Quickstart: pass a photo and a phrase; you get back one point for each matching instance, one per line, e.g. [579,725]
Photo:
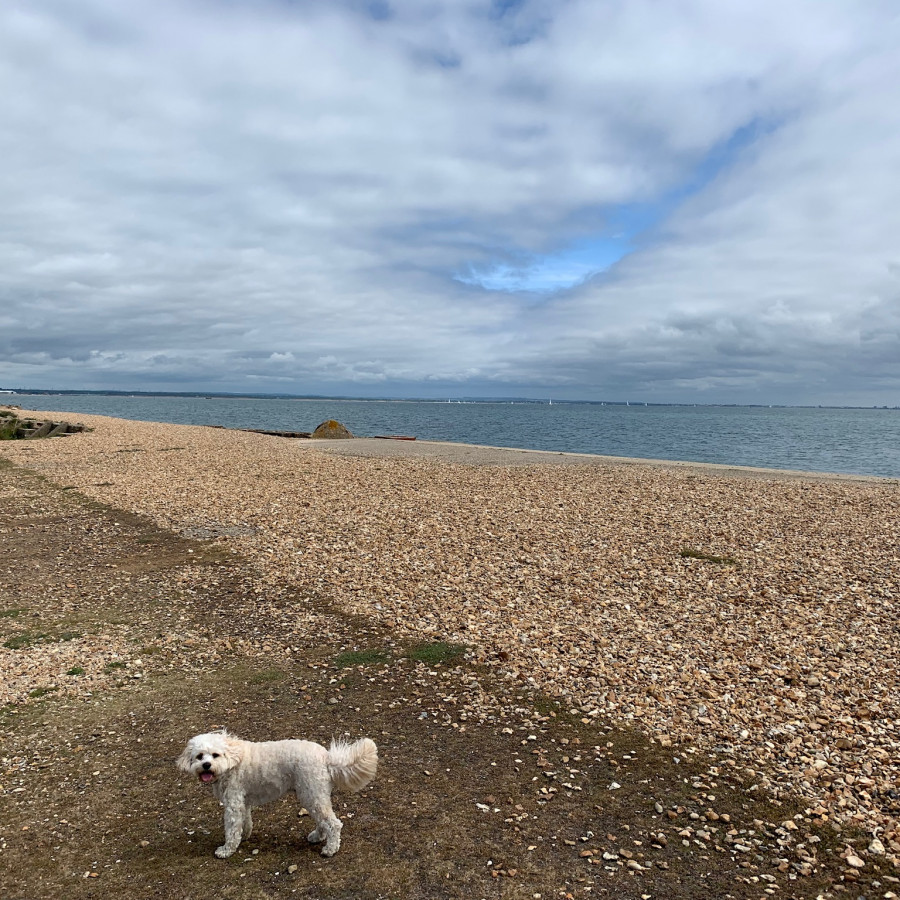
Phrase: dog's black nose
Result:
[207,765]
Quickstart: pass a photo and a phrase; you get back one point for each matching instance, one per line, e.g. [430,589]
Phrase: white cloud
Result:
[213,195]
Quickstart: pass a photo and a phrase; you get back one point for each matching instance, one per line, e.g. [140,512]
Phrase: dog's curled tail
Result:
[352,766]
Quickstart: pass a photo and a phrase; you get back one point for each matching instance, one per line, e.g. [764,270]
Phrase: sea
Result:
[846,441]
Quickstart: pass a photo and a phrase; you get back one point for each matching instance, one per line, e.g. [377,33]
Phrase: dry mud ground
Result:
[121,639]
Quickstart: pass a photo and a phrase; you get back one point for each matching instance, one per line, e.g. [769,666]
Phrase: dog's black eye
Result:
[215,756]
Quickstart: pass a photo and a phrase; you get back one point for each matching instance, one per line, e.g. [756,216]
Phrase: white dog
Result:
[244,774]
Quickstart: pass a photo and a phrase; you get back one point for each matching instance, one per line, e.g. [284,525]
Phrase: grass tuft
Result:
[360,658]
[436,653]
[687,553]
[31,638]
[266,676]
[27,639]
[75,670]
[41,692]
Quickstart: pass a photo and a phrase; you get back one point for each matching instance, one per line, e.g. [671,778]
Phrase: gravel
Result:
[749,614]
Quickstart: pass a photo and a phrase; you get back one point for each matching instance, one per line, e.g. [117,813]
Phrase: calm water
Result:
[858,441]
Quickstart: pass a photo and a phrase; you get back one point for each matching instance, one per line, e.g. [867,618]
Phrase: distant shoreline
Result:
[225,395]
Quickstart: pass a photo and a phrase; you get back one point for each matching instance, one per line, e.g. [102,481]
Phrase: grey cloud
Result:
[230,195]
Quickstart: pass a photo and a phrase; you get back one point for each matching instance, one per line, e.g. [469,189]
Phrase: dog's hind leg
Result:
[332,829]
[248,823]
[328,828]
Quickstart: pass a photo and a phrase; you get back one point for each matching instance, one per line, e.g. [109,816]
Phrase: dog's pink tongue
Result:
[206,777]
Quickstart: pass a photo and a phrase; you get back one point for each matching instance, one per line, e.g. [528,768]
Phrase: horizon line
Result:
[110,392]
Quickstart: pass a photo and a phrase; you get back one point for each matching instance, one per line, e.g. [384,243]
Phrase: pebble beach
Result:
[748,613]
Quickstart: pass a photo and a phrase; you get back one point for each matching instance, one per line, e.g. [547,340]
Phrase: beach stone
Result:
[43,430]
[331,429]
[13,427]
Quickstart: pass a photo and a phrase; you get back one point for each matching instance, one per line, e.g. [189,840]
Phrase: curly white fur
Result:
[244,774]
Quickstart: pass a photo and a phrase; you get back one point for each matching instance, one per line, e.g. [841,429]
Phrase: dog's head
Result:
[210,756]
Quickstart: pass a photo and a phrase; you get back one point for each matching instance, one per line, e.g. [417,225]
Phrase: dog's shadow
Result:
[274,835]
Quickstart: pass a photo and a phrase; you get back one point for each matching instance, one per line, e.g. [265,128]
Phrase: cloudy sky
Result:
[661,200]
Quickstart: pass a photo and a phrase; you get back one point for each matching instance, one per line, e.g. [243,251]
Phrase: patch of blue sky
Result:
[500,8]
[518,29]
[543,274]
[380,10]
[627,227]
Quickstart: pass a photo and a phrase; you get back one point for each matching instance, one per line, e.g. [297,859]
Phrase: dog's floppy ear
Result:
[234,749]
[184,761]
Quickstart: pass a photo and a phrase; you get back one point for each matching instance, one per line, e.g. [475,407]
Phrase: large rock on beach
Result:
[331,429]
[12,427]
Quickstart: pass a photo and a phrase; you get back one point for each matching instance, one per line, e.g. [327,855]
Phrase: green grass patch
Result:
[687,553]
[31,638]
[11,613]
[361,658]
[115,664]
[27,639]
[436,653]
[41,692]
[75,670]
[266,676]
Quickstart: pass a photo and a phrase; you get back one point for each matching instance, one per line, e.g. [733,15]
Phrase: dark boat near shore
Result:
[284,434]
[307,434]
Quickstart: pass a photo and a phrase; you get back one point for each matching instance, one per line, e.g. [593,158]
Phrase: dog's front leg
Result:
[234,828]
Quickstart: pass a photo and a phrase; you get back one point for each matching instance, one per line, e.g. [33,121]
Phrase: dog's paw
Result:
[314,837]
[330,849]
[223,852]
